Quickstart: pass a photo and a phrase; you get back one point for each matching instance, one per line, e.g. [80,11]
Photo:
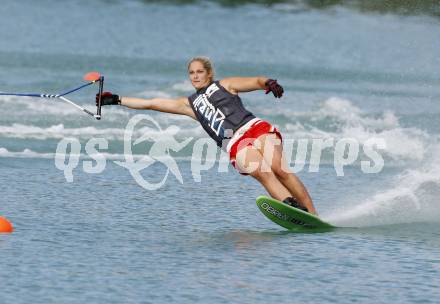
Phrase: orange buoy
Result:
[5,226]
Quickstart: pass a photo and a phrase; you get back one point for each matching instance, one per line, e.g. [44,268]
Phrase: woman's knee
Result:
[262,175]
[281,173]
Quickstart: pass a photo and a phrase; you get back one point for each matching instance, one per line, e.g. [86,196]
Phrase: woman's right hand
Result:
[108,98]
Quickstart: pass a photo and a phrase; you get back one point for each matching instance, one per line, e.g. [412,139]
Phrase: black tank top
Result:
[219,112]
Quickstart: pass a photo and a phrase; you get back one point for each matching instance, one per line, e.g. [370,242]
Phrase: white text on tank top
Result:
[213,115]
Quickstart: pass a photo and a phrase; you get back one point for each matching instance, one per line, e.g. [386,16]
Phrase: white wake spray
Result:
[414,197]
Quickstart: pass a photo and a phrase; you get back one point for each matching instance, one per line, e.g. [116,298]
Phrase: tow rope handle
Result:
[98,106]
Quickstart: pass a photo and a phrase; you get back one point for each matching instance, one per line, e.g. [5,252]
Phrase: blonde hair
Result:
[207,64]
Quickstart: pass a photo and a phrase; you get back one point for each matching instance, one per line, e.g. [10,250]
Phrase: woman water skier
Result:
[254,145]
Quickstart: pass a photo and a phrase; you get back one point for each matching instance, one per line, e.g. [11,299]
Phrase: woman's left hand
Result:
[273,86]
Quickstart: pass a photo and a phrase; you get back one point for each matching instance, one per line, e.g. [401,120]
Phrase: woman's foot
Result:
[291,201]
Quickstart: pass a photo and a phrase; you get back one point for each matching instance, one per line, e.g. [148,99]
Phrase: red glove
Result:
[108,98]
[273,86]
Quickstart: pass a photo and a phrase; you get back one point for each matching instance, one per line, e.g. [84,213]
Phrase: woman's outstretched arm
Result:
[236,85]
[178,105]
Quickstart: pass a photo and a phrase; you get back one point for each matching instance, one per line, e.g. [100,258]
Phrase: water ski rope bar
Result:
[91,77]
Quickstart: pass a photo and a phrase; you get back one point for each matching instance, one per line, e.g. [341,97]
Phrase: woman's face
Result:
[198,75]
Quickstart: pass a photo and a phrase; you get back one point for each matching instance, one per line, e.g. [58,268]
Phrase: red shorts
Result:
[257,129]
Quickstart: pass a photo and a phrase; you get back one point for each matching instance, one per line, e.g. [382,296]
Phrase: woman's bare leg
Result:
[250,160]
[273,155]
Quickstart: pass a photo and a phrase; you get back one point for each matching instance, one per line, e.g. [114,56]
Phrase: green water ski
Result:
[289,217]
